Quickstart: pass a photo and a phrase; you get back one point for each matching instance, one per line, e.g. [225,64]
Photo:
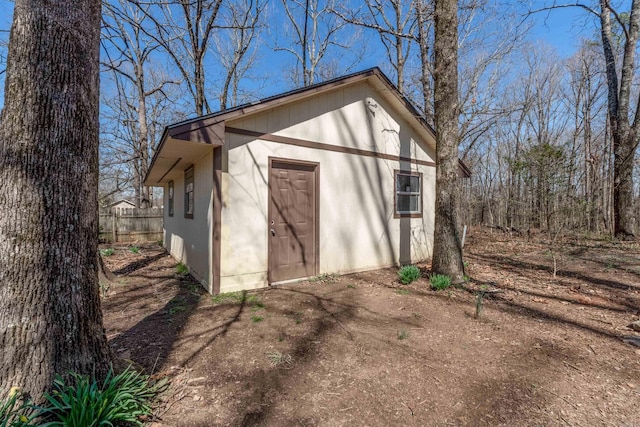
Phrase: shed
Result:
[336,177]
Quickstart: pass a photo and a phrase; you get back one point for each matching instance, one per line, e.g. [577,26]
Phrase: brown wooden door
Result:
[292,220]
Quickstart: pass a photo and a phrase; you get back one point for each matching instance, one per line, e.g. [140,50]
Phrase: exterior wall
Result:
[358,230]
[189,240]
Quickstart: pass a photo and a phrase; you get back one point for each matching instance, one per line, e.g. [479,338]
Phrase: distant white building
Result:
[119,205]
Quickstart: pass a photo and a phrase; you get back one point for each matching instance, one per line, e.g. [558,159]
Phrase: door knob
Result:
[273,232]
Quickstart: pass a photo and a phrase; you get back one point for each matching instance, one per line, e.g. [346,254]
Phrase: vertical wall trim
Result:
[217,219]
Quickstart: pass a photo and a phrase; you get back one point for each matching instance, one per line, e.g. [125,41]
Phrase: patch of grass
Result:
[194,288]
[228,298]
[402,291]
[134,249]
[351,286]
[402,334]
[160,242]
[298,317]
[279,359]
[238,297]
[325,278]
[178,307]
[107,252]
[257,319]
[182,269]
[408,274]
[254,302]
[439,281]
[466,278]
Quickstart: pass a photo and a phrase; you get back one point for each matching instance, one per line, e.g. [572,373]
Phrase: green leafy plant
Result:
[351,286]
[122,398]
[182,269]
[440,281]
[107,252]
[402,334]
[14,410]
[408,274]
[134,249]
[257,319]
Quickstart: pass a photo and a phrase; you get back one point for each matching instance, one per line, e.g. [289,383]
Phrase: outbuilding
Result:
[336,177]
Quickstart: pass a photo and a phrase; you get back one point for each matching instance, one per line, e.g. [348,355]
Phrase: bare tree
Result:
[234,46]
[447,247]
[394,22]
[619,29]
[184,30]
[314,31]
[50,318]
[128,56]
[625,132]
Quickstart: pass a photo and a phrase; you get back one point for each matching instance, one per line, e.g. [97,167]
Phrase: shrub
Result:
[440,281]
[408,274]
[107,252]
[123,398]
[134,249]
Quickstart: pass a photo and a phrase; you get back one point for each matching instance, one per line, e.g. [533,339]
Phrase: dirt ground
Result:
[363,349]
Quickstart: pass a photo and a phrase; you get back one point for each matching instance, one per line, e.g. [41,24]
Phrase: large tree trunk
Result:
[447,248]
[623,133]
[623,212]
[50,318]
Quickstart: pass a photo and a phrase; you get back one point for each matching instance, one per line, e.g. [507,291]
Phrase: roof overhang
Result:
[180,147]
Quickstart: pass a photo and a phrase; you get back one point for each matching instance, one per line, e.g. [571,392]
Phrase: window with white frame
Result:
[408,194]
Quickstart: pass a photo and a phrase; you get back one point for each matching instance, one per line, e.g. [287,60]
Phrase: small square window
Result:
[408,194]
[188,193]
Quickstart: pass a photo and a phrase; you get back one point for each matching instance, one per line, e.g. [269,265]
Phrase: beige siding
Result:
[358,230]
[189,240]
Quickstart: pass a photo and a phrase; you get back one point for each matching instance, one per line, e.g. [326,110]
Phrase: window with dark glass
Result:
[170,189]
[188,193]
[408,197]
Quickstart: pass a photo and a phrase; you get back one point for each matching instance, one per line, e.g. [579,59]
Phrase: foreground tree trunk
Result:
[447,247]
[50,318]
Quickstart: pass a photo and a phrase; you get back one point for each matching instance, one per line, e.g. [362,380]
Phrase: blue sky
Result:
[560,28]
